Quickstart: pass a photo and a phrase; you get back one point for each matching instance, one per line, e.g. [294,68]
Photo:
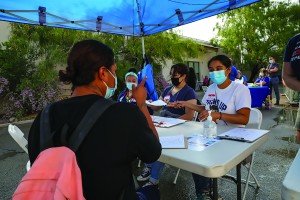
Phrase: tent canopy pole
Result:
[143,47]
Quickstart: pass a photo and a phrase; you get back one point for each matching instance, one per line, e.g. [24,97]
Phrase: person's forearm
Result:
[194,107]
[231,118]
[292,82]
[144,109]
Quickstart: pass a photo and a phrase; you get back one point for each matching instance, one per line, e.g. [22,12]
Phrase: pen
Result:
[235,138]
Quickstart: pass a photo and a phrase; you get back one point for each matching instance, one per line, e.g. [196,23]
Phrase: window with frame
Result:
[196,66]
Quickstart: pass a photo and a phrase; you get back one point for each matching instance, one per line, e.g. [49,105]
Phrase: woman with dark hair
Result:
[230,102]
[101,157]
[179,91]
[192,79]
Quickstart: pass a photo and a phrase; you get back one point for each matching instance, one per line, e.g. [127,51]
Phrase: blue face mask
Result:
[129,85]
[218,77]
[110,91]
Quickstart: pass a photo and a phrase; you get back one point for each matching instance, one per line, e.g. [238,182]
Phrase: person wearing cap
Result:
[126,95]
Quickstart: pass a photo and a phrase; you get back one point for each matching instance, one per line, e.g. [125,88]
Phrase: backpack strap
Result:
[88,121]
[85,125]
[45,131]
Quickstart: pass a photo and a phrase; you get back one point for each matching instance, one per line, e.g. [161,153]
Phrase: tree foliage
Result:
[30,58]
[258,31]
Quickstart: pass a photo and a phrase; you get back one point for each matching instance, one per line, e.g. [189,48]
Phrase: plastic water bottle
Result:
[260,83]
[210,127]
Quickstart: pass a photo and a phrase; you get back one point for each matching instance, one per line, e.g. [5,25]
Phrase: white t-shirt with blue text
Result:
[228,100]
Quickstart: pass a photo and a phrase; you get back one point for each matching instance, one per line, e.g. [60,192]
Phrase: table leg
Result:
[215,189]
[239,182]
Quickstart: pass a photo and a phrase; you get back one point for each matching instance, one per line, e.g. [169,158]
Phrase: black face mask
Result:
[175,81]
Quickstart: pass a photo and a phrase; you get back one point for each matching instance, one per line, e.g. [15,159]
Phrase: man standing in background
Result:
[273,68]
[291,71]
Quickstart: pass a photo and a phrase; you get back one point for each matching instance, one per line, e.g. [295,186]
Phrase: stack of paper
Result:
[243,134]
[166,122]
[172,142]
[156,103]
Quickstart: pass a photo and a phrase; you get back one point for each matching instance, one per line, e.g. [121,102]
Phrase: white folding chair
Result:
[18,136]
[255,120]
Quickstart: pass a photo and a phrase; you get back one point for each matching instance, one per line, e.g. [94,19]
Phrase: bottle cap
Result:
[209,118]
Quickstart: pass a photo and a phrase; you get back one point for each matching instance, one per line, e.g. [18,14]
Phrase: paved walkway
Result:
[271,163]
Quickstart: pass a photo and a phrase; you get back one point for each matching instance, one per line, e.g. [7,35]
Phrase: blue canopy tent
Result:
[125,17]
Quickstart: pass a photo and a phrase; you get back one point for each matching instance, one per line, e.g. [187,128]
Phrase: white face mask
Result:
[129,85]
[261,74]
[270,61]
[110,91]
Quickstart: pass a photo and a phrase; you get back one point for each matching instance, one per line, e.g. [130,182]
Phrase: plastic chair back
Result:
[255,119]
[18,136]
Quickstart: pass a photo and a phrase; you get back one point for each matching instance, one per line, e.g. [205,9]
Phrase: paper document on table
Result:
[172,142]
[166,122]
[198,142]
[156,103]
[243,134]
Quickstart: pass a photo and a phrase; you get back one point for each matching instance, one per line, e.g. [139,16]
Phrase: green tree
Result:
[258,31]
[29,59]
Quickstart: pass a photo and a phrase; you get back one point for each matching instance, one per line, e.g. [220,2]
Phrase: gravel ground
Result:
[272,162]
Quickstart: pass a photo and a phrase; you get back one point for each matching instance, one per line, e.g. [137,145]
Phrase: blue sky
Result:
[203,29]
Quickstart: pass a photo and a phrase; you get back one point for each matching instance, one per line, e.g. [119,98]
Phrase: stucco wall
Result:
[203,60]
[4,31]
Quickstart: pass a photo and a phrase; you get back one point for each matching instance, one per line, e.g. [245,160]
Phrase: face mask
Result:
[218,77]
[110,91]
[129,85]
[175,81]
[270,61]
[261,74]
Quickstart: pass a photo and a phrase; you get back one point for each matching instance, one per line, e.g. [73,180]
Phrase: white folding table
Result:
[214,161]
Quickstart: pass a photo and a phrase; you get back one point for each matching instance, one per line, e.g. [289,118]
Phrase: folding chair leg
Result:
[28,165]
[248,176]
[175,180]
[255,180]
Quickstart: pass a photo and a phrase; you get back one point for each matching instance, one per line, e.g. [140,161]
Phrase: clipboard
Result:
[243,134]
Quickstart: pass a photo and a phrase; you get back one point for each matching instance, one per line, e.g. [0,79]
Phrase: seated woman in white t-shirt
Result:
[230,101]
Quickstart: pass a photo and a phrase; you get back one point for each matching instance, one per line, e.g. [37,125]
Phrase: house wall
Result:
[202,61]
[4,31]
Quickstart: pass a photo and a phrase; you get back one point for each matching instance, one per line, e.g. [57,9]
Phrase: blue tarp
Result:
[125,17]
[150,86]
